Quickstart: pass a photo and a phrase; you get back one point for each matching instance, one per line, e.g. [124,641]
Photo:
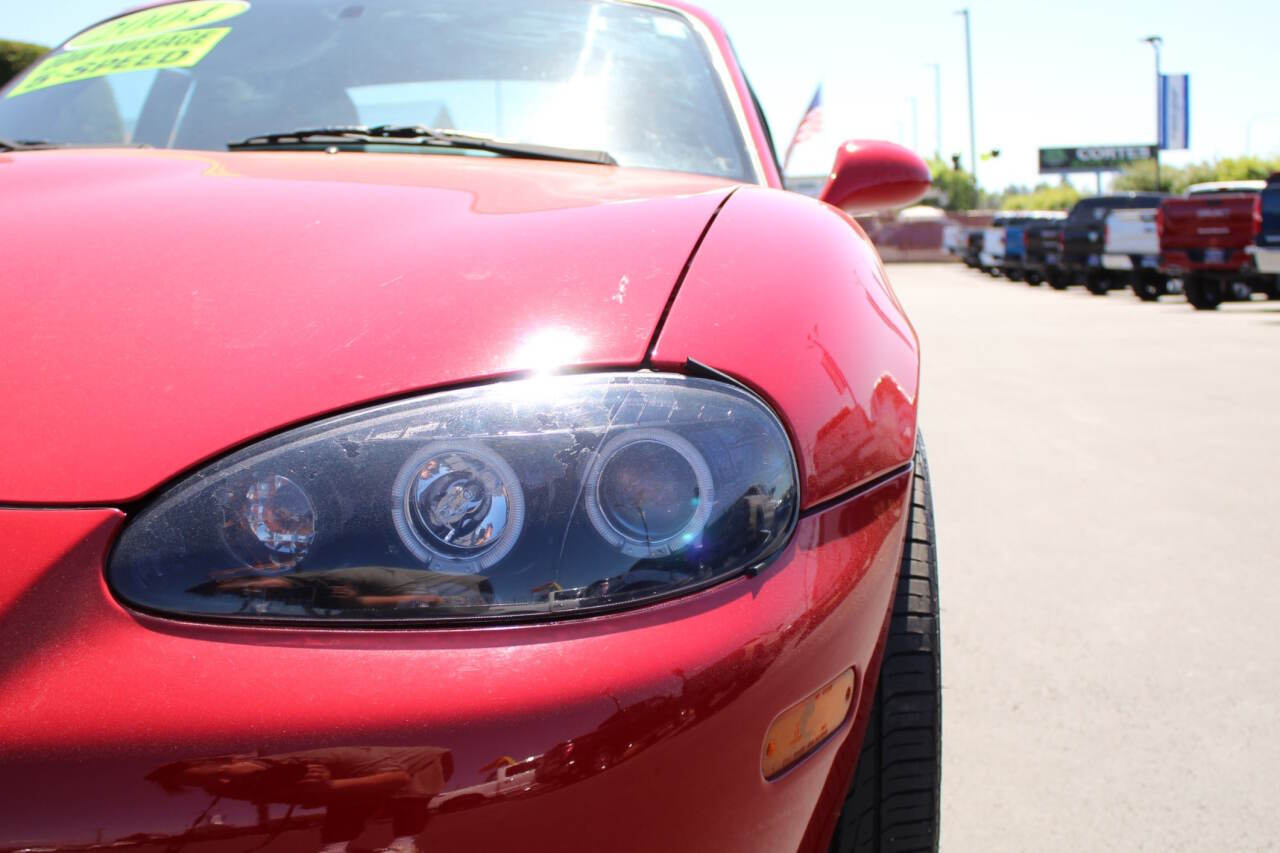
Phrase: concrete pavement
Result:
[1107,489]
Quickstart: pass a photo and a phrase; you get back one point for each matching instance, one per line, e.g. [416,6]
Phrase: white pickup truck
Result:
[1132,252]
[510,777]
[992,255]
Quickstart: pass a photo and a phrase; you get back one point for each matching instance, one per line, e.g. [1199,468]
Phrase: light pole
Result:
[937,105]
[915,123]
[968,59]
[1155,42]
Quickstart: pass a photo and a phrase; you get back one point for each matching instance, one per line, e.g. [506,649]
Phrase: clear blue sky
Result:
[1044,74]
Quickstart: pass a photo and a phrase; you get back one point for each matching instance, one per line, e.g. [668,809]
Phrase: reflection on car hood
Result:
[161,307]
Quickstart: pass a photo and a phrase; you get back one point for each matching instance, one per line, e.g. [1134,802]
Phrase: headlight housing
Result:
[518,500]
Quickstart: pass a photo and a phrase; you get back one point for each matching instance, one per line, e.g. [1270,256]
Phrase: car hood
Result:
[163,307]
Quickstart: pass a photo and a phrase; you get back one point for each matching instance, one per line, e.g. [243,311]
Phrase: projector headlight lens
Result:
[458,506]
[270,523]
[649,493]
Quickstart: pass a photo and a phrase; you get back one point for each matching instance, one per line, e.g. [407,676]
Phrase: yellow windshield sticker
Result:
[171,50]
[161,19]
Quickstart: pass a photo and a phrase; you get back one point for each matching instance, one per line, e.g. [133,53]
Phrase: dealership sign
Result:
[1093,158]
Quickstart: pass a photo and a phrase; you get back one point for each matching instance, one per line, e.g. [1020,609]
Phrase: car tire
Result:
[1097,284]
[1034,279]
[894,801]
[1058,281]
[1014,275]
[1204,294]
[1147,287]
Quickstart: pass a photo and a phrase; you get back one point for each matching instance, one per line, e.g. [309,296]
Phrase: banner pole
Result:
[1160,107]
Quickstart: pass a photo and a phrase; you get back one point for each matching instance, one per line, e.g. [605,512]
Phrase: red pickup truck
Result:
[1203,240]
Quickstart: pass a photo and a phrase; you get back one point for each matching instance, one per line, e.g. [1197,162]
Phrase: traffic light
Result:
[955,162]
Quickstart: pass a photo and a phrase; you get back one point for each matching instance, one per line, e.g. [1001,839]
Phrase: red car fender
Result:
[788,295]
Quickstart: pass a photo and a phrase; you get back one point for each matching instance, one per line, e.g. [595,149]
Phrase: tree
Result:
[15,56]
[959,192]
[1141,176]
[1043,197]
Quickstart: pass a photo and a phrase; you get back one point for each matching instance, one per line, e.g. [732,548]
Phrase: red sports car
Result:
[429,425]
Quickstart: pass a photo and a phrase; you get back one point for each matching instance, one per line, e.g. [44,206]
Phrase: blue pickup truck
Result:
[1042,250]
[1014,262]
[1266,248]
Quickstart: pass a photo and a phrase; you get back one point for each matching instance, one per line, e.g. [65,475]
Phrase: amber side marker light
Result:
[800,729]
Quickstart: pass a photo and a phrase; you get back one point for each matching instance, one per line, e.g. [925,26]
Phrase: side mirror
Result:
[869,175]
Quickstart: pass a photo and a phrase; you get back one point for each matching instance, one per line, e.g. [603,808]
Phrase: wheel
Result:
[1097,284]
[995,272]
[1204,294]
[1058,281]
[1014,275]
[893,803]
[1034,279]
[1147,287]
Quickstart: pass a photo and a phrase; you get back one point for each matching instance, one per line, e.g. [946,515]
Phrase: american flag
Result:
[810,125]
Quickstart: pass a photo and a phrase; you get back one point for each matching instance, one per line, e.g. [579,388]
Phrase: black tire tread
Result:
[1147,287]
[1203,294]
[1097,284]
[893,803]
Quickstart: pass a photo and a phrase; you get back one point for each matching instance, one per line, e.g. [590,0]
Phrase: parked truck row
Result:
[1218,242]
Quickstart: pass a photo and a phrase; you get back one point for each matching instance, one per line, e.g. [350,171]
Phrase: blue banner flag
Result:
[1175,115]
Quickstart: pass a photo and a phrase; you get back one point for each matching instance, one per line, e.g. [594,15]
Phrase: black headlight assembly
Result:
[513,501]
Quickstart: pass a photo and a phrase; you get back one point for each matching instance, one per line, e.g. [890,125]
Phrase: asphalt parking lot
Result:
[1107,489]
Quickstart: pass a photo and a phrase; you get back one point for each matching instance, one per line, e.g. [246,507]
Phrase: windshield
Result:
[634,81]
[1085,211]
[1137,202]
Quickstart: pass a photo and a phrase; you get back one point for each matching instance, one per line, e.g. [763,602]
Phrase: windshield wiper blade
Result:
[417,135]
[24,144]
[45,145]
